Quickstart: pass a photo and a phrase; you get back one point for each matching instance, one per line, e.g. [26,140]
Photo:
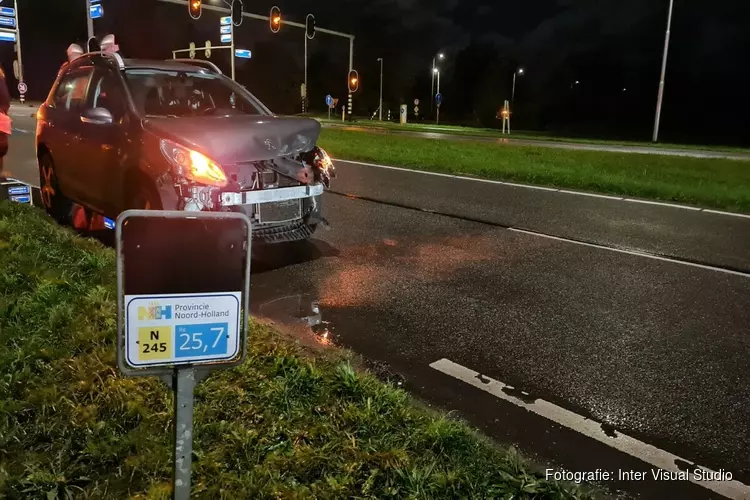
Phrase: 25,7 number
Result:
[195,341]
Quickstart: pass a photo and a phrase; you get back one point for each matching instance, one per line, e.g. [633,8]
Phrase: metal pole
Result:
[381,89]
[351,53]
[184,384]
[89,22]
[513,94]
[18,42]
[432,88]
[231,48]
[437,117]
[659,100]
[304,98]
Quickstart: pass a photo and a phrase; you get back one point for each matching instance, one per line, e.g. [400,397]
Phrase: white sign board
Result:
[169,330]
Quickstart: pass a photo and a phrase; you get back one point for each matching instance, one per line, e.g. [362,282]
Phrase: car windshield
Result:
[175,93]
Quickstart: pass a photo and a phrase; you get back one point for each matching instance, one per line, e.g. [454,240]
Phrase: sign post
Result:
[329,103]
[183,281]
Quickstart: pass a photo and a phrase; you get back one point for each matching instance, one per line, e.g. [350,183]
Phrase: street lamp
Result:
[440,56]
[659,99]
[381,89]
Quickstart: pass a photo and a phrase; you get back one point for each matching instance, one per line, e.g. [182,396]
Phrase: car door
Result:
[63,120]
[103,145]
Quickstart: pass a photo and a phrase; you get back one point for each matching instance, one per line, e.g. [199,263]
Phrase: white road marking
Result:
[662,204]
[542,188]
[592,429]
[631,252]
[732,214]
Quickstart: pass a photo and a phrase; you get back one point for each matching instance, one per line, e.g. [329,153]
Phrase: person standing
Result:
[5,121]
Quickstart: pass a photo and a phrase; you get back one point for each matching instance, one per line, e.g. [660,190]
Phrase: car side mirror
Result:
[97,116]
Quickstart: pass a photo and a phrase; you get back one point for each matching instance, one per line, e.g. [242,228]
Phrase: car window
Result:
[181,94]
[106,92]
[71,91]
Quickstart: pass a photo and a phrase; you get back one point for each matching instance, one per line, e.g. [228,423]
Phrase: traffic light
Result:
[275,19]
[237,12]
[195,7]
[310,26]
[353,81]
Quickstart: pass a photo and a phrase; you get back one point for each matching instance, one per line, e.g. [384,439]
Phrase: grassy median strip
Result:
[715,183]
[289,423]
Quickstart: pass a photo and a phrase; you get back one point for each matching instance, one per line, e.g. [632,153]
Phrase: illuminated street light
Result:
[435,71]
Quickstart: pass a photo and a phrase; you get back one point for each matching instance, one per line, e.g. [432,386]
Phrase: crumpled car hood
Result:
[233,139]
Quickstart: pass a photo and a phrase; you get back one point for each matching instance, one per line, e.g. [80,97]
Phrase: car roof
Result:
[163,65]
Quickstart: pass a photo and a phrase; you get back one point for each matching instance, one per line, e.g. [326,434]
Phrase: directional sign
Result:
[439,98]
[226,30]
[8,22]
[7,36]
[416,102]
[416,110]
[7,11]
[226,38]
[96,11]
[226,21]
[243,54]
[329,100]
[22,88]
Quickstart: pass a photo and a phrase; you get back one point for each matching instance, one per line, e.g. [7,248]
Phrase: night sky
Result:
[612,47]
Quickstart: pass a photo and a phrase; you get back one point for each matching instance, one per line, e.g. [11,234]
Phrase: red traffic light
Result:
[275,19]
[195,7]
[353,81]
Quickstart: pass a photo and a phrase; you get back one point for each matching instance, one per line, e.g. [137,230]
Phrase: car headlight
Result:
[193,165]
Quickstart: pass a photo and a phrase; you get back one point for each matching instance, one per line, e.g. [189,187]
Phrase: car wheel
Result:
[143,197]
[55,203]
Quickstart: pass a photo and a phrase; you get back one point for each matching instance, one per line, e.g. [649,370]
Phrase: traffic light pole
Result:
[304,97]
[89,23]
[224,10]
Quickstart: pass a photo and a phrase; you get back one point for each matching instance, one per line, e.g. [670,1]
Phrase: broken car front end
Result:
[282,196]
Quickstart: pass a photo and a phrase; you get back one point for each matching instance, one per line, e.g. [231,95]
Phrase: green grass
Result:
[714,183]
[523,134]
[288,423]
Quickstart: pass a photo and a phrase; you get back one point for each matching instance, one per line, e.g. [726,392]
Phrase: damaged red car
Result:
[117,134]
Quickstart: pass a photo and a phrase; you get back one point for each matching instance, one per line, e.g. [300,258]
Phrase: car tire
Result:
[142,196]
[55,203]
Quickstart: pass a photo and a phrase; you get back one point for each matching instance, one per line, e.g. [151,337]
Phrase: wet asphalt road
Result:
[687,153]
[654,349]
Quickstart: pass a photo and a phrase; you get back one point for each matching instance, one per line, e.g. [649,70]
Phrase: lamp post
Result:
[659,99]
[440,56]
[436,71]
[380,108]
[519,71]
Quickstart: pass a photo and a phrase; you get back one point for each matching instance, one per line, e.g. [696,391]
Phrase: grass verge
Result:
[286,424]
[714,183]
[526,135]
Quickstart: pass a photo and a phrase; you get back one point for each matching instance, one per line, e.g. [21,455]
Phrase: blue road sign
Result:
[329,100]
[7,11]
[15,190]
[226,38]
[96,11]
[243,54]
[438,98]
[7,36]
[226,21]
[8,22]
[109,223]
[226,30]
